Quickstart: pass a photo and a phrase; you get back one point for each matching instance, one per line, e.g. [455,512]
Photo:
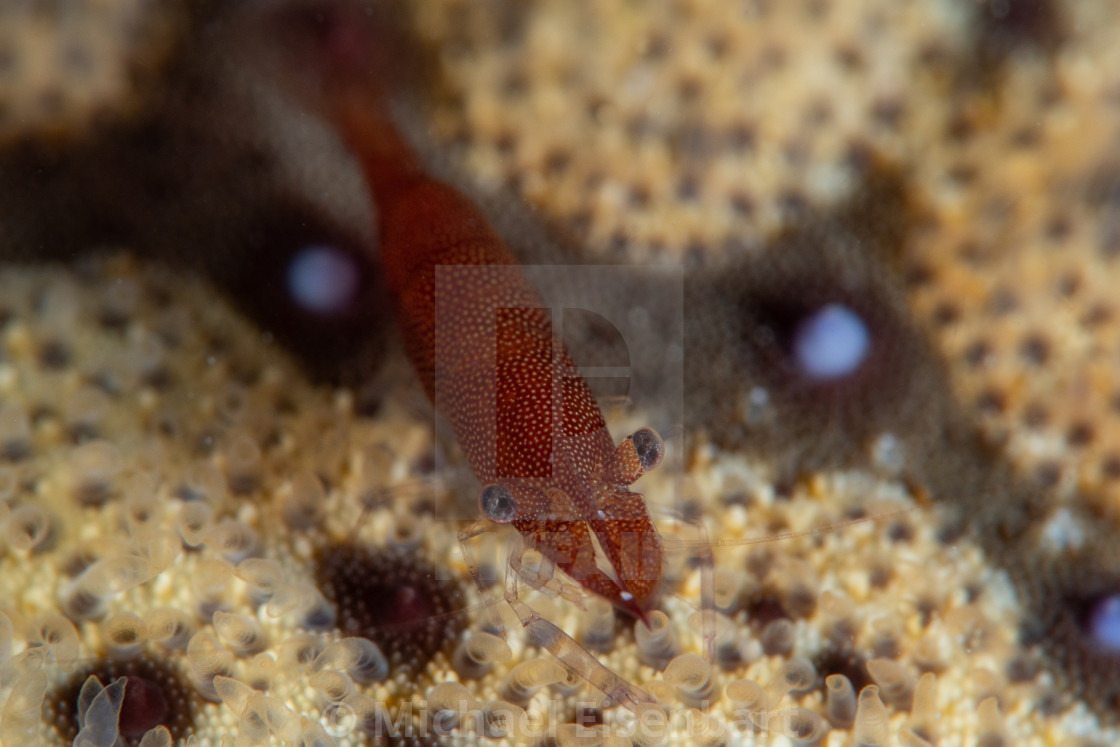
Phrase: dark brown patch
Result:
[1004,29]
[845,661]
[341,346]
[155,694]
[1062,595]
[393,597]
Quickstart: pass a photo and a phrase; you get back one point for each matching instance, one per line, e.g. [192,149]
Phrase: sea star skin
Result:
[938,272]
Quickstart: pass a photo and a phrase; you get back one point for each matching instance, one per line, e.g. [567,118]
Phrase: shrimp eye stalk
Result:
[497,504]
[640,452]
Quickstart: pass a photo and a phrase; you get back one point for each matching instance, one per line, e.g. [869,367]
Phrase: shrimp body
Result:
[482,343]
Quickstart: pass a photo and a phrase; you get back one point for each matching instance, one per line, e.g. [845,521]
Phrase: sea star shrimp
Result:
[483,346]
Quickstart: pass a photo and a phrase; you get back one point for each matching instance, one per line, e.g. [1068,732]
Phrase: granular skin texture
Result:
[946,170]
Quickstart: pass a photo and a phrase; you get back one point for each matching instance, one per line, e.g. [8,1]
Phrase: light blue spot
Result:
[831,343]
[1104,625]
[323,279]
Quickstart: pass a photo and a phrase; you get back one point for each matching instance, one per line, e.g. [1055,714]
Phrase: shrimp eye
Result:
[497,504]
[649,447]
